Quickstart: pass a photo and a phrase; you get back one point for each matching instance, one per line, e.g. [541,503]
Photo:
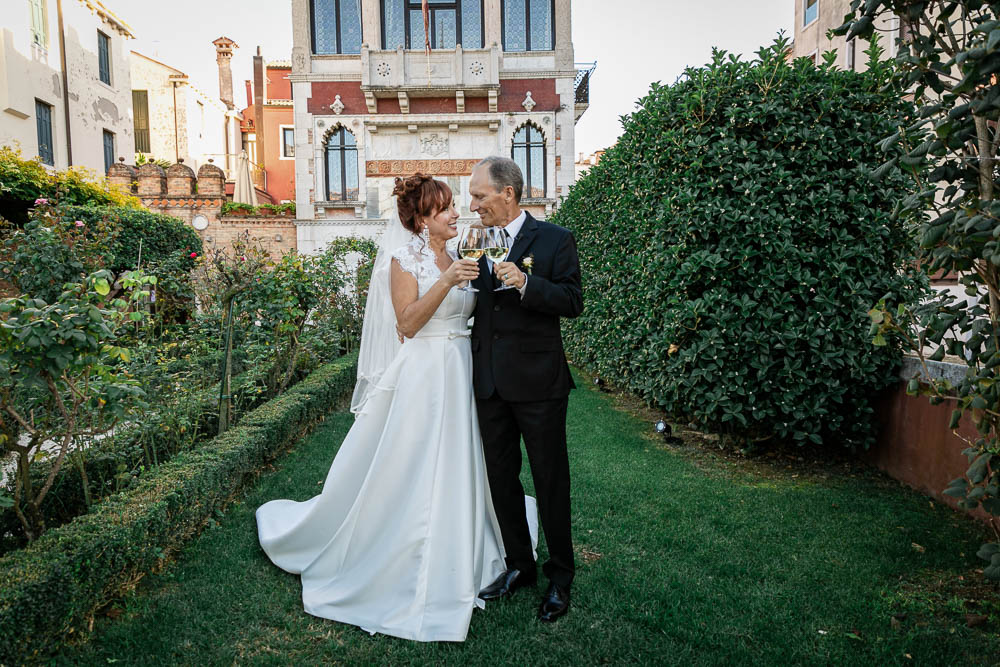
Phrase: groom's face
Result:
[486,200]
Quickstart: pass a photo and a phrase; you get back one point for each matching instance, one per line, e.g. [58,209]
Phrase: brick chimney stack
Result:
[259,99]
[223,56]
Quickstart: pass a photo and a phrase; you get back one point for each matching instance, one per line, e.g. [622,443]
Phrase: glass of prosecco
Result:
[497,249]
[472,245]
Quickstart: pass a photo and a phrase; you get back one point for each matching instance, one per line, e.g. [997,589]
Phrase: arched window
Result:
[528,25]
[341,166]
[529,154]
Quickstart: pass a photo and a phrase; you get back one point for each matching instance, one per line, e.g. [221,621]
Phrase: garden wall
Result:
[914,443]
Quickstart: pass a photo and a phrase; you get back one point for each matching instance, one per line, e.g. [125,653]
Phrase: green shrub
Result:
[732,242]
[53,586]
[23,181]
[231,207]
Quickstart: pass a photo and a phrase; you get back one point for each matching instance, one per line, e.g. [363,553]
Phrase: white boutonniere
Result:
[527,263]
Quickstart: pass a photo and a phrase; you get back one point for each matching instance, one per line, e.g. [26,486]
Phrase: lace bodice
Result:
[417,259]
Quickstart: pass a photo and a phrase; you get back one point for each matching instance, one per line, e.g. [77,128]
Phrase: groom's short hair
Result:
[503,172]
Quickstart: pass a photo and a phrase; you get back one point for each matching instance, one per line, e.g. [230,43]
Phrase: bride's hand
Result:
[460,271]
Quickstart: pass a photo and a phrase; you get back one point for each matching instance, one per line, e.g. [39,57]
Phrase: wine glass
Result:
[472,245]
[497,249]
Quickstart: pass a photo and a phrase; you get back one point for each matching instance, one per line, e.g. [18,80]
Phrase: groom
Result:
[522,381]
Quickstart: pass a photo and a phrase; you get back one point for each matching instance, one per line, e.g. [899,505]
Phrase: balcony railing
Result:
[581,87]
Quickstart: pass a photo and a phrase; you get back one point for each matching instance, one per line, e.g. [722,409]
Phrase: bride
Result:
[403,536]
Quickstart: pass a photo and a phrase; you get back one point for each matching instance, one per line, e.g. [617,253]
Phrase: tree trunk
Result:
[225,389]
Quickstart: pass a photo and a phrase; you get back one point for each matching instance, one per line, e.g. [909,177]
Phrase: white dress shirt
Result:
[513,228]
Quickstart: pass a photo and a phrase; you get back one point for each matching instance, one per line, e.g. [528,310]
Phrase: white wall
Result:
[28,72]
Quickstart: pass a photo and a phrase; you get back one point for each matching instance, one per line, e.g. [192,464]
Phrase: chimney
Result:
[258,104]
[223,55]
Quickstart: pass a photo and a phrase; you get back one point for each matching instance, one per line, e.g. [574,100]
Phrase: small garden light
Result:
[663,428]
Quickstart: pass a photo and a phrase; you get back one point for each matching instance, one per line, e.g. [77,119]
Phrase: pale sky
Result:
[641,41]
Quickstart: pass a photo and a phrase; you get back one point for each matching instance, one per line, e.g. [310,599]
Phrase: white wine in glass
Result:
[497,249]
[472,245]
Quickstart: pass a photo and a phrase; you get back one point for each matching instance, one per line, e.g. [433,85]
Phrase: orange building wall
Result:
[280,172]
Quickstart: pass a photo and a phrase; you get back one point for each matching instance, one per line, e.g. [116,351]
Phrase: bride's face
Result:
[444,223]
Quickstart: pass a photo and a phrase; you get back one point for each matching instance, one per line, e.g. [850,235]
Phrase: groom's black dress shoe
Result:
[508,582]
[554,604]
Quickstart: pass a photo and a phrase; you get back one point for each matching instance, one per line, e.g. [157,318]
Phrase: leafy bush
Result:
[53,586]
[23,181]
[231,207]
[733,241]
[950,64]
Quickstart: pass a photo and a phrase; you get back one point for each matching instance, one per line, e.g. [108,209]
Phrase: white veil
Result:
[379,341]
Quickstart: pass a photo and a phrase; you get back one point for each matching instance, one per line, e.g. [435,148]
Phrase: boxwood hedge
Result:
[52,586]
[733,241]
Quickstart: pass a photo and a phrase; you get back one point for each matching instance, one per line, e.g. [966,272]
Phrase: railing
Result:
[581,86]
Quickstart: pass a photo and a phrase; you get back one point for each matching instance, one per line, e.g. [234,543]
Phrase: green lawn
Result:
[683,559]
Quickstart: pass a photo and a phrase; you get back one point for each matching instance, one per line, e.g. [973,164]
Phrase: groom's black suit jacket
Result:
[517,348]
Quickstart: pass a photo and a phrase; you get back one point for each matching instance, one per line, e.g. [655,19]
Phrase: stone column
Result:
[564,35]
[301,37]
[371,23]
[491,16]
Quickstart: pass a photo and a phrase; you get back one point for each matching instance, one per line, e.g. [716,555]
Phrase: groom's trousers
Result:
[543,426]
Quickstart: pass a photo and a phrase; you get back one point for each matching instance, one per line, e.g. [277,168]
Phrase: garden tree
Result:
[229,273]
[733,241]
[344,300]
[950,61]
[60,379]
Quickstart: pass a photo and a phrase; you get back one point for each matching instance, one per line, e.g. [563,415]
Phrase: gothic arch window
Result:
[450,22]
[528,151]
[341,151]
[528,25]
[336,26]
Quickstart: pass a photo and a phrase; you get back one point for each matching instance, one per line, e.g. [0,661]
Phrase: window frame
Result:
[805,13]
[109,158]
[415,5]
[104,63]
[527,26]
[343,148]
[528,145]
[282,129]
[51,154]
[337,15]
[39,32]
[142,134]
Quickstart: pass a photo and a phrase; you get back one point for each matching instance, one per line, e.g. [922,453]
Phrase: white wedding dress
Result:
[403,536]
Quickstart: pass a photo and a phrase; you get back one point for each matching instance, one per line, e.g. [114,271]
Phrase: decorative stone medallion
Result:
[337,107]
[199,222]
[433,144]
[383,69]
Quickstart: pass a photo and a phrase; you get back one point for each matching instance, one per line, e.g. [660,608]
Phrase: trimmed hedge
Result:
[733,241]
[55,584]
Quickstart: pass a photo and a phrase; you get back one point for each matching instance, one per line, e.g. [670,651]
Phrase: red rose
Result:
[193,255]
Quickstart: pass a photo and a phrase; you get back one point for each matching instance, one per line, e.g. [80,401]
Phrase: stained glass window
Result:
[341,166]
[336,26]
[528,25]
[528,152]
[515,27]
[451,22]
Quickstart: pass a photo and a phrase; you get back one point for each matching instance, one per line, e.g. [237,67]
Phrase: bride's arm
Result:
[412,313]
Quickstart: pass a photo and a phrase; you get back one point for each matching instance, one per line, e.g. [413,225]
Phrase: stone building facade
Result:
[65,84]
[814,18]
[197,199]
[176,121]
[371,105]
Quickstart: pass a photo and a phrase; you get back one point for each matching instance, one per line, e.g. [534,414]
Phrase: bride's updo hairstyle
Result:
[420,196]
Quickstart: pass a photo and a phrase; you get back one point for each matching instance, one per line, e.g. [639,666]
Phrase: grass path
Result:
[678,563]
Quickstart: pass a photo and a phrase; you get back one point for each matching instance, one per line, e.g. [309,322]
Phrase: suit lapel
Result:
[524,238]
